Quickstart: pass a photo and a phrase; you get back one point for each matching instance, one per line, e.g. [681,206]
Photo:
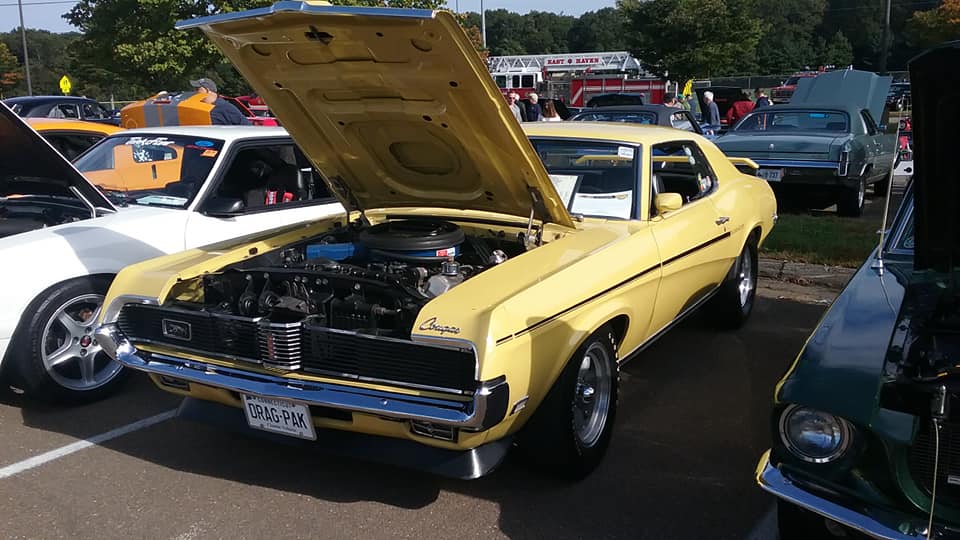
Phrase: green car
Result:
[866,423]
[824,147]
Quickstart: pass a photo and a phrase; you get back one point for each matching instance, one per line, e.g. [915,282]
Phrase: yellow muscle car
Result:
[488,279]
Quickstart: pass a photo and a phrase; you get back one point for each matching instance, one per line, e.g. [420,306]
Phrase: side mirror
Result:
[223,207]
[667,202]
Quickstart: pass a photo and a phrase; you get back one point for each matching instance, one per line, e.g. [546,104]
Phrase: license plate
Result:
[770,175]
[279,416]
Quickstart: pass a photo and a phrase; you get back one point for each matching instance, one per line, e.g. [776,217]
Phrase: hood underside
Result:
[394,106]
[862,89]
[30,166]
[935,80]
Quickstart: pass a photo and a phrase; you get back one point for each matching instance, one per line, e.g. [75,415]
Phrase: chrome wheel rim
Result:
[70,353]
[745,284]
[861,193]
[591,399]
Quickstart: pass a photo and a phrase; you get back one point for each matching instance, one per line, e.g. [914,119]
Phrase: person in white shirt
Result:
[550,112]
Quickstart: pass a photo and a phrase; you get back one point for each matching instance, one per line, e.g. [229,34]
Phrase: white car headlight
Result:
[814,436]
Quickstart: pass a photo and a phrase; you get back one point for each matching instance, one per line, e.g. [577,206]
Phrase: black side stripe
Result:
[634,277]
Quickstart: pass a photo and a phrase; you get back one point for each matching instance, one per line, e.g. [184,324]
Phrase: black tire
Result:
[851,200]
[40,337]
[551,439]
[795,523]
[731,306]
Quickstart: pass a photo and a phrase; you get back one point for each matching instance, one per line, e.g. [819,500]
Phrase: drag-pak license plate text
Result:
[279,416]
[770,175]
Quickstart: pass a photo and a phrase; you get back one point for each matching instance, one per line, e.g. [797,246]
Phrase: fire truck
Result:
[575,78]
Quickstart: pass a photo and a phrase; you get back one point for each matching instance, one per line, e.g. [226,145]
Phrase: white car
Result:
[147,192]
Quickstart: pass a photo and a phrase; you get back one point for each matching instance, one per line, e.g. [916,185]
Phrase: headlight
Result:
[814,436]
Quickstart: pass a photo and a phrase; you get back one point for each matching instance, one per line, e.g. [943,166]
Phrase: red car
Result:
[784,92]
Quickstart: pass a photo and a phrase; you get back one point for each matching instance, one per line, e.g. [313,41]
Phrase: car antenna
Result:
[878,264]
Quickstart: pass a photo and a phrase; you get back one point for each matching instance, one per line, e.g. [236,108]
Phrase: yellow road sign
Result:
[65,85]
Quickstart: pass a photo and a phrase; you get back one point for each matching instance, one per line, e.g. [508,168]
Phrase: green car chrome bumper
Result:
[772,480]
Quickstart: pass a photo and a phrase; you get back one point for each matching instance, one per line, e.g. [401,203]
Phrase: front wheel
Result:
[851,200]
[570,431]
[58,358]
[731,306]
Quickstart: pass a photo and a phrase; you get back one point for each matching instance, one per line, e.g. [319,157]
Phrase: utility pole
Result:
[26,56]
[483,24]
[885,42]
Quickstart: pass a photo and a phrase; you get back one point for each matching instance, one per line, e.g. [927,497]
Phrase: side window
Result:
[681,167]
[501,81]
[64,110]
[680,120]
[527,81]
[868,121]
[71,145]
[91,111]
[515,81]
[268,177]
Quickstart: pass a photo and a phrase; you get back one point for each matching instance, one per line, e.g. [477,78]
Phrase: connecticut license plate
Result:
[770,175]
[279,416]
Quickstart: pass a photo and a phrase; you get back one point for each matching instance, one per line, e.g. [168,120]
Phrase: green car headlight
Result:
[814,436]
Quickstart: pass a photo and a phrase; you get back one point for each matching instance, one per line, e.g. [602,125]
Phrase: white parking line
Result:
[46,457]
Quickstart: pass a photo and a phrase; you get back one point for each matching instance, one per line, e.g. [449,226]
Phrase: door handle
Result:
[721,220]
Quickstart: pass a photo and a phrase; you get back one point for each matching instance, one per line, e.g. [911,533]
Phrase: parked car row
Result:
[430,283]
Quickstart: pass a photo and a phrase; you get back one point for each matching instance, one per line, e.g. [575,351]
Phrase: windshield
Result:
[151,170]
[592,178]
[637,117]
[773,120]
[792,81]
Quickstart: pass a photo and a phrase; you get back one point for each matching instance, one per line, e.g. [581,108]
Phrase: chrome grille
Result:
[920,458]
[280,344]
[307,346]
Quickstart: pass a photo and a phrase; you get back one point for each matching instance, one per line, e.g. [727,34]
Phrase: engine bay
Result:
[27,213]
[369,279]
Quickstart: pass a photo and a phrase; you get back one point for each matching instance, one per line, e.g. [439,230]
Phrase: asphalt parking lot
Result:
[692,423]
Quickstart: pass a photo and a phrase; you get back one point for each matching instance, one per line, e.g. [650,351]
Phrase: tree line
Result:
[129,49]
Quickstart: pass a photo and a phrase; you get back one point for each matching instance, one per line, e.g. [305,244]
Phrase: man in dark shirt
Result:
[762,99]
[223,113]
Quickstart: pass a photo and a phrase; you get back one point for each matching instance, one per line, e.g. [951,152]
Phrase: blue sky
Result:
[47,16]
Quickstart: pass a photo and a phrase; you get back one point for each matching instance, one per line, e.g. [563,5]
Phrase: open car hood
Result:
[30,166]
[393,106]
[935,82]
[863,89]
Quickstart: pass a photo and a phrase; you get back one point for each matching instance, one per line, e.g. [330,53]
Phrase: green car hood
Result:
[862,89]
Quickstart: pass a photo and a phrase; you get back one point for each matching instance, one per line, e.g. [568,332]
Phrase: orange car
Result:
[181,109]
[71,137]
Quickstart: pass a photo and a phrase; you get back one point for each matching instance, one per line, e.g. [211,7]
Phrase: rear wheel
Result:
[570,431]
[58,358]
[851,200]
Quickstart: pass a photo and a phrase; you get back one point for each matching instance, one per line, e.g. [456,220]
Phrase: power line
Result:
[43,3]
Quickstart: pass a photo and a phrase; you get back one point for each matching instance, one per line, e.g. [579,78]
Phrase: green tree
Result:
[837,51]
[790,41]
[694,38]
[601,30]
[10,71]
[49,58]
[137,39]
[926,28]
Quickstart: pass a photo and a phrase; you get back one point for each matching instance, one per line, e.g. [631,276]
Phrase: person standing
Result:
[671,101]
[739,109]
[512,99]
[711,116]
[762,99]
[550,112]
[534,112]
[223,113]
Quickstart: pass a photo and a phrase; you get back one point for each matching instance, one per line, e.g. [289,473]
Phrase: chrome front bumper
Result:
[487,408]
[772,480]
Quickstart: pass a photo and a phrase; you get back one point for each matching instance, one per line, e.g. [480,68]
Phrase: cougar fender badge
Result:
[431,324]
[176,329]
